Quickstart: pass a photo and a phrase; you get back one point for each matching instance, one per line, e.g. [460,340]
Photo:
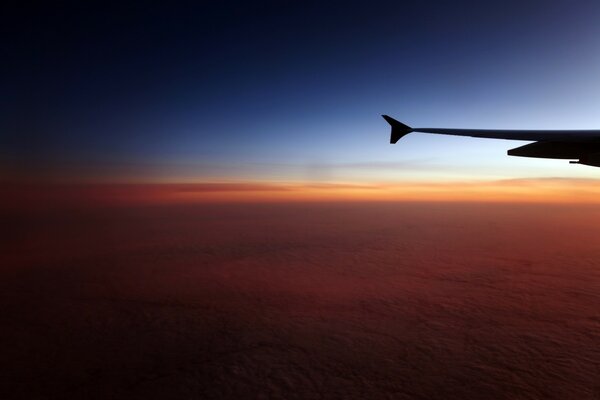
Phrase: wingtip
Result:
[388,119]
[398,129]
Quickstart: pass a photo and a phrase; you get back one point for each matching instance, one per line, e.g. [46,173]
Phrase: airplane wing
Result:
[580,145]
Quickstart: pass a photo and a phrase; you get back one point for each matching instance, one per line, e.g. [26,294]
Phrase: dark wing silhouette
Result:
[580,145]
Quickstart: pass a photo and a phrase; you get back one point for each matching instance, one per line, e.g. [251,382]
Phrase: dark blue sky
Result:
[273,91]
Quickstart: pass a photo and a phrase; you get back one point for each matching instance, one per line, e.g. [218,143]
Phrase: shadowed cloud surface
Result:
[301,300]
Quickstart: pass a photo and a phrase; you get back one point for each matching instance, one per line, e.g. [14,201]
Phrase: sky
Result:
[280,92]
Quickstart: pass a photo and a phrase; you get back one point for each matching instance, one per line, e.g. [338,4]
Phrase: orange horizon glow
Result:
[515,191]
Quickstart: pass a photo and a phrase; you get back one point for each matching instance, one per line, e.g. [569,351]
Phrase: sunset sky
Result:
[290,96]
[199,199]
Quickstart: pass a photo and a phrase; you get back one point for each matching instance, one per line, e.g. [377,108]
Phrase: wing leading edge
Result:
[580,145]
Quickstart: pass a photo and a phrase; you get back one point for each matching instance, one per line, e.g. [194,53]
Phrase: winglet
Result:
[398,129]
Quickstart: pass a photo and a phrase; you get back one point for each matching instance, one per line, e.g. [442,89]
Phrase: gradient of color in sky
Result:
[106,295]
[273,92]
